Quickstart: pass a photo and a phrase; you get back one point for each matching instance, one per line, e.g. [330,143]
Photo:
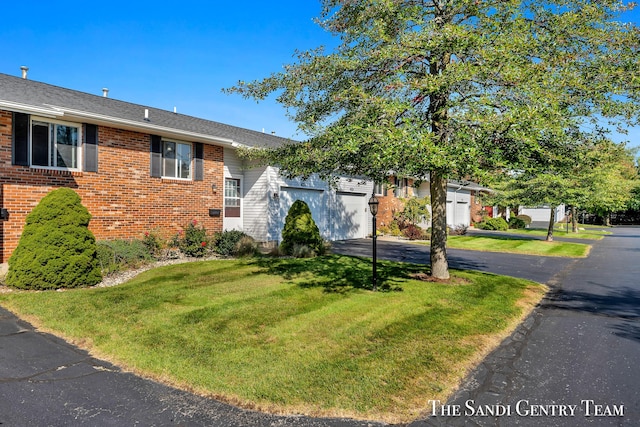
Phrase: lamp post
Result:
[373,208]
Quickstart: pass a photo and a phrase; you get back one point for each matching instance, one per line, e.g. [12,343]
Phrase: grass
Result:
[503,243]
[293,335]
[587,234]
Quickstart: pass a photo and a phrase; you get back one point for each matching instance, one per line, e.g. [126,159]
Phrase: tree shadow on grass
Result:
[340,273]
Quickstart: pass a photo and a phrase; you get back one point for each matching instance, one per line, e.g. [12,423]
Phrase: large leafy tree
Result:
[593,173]
[610,185]
[444,89]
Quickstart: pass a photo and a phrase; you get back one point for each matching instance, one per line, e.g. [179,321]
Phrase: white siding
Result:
[258,193]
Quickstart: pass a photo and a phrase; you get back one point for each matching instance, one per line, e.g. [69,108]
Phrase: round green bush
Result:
[56,249]
[498,224]
[301,229]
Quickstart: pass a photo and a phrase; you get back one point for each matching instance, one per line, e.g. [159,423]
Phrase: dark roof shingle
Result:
[43,95]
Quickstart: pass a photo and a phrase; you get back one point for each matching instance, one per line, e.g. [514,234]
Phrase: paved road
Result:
[579,351]
[581,344]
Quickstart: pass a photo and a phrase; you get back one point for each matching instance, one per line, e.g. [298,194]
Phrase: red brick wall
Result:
[123,199]
[390,205]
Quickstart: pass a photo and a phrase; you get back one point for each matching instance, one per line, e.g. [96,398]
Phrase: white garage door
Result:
[315,199]
[349,216]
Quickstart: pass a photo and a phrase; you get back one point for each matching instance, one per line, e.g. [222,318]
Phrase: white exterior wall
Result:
[258,193]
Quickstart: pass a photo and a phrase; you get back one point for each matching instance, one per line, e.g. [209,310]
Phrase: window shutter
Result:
[199,162]
[156,156]
[90,148]
[20,142]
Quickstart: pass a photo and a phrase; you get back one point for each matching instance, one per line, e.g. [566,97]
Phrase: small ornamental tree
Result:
[300,230]
[56,249]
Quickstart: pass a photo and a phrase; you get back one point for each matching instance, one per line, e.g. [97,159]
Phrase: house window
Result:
[55,145]
[378,189]
[401,189]
[176,160]
[232,198]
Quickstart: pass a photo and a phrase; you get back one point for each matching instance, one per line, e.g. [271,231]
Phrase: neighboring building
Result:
[542,214]
[463,204]
[140,169]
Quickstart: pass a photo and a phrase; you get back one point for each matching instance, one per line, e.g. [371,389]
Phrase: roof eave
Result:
[52,111]
[30,109]
[100,119]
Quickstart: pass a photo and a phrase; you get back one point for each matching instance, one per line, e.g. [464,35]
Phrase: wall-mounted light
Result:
[4,214]
[276,196]
[214,188]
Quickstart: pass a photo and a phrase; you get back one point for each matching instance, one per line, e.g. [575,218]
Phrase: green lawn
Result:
[293,335]
[587,234]
[504,243]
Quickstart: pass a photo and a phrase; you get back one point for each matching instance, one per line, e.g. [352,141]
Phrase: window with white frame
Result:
[176,160]
[232,198]
[55,144]
[379,189]
[401,187]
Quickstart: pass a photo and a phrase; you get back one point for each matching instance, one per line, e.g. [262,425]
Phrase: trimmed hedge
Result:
[56,249]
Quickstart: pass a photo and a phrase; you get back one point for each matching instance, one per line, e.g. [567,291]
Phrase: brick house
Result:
[139,169]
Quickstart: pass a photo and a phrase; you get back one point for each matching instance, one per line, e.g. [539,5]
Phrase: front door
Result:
[232,204]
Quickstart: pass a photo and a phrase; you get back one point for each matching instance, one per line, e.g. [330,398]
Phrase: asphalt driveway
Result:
[538,269]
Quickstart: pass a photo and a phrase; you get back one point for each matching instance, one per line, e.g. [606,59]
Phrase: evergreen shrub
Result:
[516,223]
[227,243]
[56,249]
[498,224]
[301,229]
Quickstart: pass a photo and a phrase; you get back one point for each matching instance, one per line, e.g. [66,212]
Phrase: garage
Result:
[349,216]
[338,215]
[314,198]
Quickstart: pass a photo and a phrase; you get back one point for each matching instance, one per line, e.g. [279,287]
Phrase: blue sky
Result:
[169,54]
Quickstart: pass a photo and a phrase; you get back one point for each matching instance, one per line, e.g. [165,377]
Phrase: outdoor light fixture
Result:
[373,205]
[373,208]
[4,214]
[214,188]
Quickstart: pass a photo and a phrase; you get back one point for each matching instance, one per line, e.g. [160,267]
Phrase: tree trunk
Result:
[439,263]
[552,222]
[574,219]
